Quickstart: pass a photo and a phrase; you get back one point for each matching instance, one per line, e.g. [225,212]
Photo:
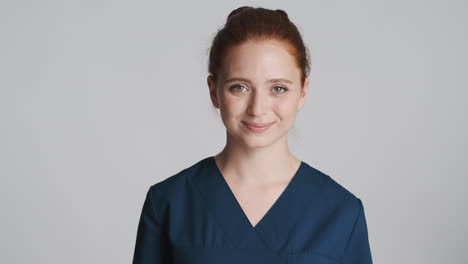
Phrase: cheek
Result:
[232,106]
[286,109]
[230,109]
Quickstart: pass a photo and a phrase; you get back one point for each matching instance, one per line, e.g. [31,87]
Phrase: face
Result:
[259,83]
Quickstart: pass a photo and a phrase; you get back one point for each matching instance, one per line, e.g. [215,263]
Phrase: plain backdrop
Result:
[101,99]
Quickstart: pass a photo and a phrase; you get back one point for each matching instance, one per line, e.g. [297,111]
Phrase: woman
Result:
[253,202]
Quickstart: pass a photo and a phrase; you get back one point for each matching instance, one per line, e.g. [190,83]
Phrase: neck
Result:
[257,165]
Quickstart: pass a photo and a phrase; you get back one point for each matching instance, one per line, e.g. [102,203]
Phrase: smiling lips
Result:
[257,127]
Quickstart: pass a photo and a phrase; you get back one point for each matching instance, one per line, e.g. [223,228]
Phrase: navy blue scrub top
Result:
[193,217]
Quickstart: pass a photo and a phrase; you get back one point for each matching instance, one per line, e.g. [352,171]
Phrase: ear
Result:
[213,90]
[304,92]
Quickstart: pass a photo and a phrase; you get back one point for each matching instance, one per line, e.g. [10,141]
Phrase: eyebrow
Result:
[237,79]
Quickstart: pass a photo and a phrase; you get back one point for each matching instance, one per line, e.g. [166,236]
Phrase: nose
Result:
[257,104]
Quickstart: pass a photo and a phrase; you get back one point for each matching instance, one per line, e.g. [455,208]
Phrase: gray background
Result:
[101,99]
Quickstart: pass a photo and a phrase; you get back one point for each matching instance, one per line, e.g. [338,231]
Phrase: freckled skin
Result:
[258,101]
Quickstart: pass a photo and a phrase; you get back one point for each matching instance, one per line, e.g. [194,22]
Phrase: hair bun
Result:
[238,10]
[282,13]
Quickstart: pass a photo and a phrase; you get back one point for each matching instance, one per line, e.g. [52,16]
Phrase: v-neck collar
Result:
[273,229]
[239,207]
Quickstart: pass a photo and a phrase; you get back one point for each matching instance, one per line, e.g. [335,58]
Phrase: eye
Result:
[281,87]
[233,88]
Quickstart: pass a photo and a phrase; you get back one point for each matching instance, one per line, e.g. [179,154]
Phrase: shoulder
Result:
[334,195]
[176,184]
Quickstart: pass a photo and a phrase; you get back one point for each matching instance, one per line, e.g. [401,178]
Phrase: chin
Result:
[253,140]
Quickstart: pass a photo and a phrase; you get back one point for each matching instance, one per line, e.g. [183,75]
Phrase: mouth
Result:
[256,127]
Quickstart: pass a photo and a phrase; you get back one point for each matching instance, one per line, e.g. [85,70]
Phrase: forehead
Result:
[260,59]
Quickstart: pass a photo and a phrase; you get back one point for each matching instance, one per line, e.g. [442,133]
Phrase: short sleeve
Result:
[358,250]
[151,241]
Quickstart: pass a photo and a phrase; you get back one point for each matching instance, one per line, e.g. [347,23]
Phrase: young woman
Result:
[254,202]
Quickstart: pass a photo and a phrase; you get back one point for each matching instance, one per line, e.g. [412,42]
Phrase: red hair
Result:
[249,23]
